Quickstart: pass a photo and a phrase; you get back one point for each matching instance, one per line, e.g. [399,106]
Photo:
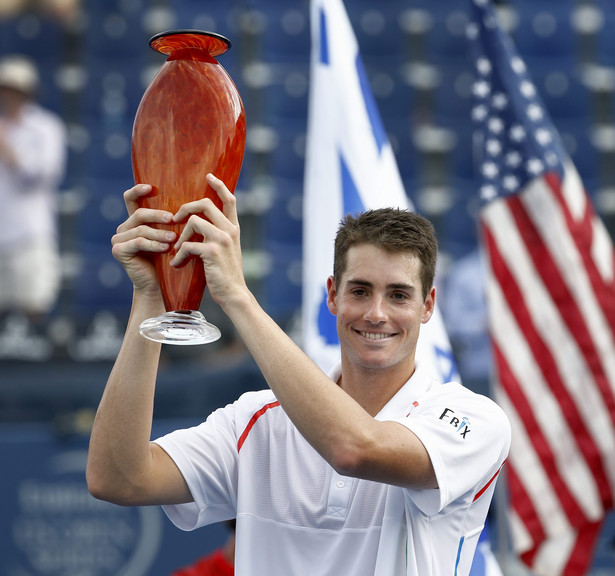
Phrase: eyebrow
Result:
[393,286]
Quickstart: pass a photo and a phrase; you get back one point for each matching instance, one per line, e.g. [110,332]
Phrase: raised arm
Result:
[124,467]
[338,427]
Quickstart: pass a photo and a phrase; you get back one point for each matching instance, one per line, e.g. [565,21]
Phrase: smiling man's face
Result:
[379,308]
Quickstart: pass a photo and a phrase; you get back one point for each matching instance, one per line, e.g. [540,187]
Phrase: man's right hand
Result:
[137,238]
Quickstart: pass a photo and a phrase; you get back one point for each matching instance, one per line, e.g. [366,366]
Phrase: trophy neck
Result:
[190,44]
[195,54]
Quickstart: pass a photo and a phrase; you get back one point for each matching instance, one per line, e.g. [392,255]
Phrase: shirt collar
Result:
[404,400]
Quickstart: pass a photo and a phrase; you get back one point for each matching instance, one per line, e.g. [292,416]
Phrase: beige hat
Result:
[19,73]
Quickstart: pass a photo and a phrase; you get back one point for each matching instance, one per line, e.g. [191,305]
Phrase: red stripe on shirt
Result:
[252,421]
[482,490]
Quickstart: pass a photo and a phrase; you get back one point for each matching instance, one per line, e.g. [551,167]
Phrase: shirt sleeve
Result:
[206,455]
[467,437]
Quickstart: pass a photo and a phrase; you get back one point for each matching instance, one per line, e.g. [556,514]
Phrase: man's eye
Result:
[399,296]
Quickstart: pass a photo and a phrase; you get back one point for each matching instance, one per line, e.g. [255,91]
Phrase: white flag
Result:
[350,166]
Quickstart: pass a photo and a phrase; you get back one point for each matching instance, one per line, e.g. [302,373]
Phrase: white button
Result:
[340,484]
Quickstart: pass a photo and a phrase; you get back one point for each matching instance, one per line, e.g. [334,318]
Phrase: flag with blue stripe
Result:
[350,167]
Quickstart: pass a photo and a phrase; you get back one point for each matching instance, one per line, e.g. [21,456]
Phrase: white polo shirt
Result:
[297,516]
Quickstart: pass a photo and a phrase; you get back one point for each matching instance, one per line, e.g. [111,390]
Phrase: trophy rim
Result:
[223,44]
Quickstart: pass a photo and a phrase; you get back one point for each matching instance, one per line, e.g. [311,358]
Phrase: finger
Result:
[207,207]
[206,210]
[202,206]
[134,194]
[229,202]
[146,216]
[195,225]
[186,250]
[205,215]
[142,239]
[211,240]
[206,233]
[125,250]
[143,231]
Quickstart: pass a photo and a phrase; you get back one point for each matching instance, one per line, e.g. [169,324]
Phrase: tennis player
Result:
[371,470]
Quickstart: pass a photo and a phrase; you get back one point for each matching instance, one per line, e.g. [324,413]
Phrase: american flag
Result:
[551,298]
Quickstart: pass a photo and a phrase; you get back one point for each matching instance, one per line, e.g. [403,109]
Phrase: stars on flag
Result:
[517,143]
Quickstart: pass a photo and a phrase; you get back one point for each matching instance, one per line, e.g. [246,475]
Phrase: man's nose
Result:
[375,312]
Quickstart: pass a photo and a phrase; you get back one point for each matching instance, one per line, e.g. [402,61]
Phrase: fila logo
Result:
[463,425]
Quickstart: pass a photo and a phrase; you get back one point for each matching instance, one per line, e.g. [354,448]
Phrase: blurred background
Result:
[95,63]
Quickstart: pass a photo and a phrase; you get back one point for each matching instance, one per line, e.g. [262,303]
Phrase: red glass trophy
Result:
[190,122]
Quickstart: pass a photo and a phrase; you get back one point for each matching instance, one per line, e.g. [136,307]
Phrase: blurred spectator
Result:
[62,10]
[220,562]
[9,8]
[32,164]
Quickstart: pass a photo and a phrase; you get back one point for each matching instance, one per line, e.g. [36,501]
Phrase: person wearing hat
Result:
[32,165]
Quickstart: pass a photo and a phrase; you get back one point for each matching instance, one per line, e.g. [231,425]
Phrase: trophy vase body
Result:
[190,122]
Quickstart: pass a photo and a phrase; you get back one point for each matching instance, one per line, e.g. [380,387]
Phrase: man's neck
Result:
[373,389]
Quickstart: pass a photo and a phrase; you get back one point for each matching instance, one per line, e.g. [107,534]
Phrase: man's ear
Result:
[331,294]
[429,306]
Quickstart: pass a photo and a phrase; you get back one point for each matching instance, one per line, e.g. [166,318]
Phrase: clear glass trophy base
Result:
[183,328]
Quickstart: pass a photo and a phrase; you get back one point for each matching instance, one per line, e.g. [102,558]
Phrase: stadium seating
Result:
[418,63]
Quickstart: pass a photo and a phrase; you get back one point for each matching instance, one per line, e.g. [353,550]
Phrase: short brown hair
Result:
[391,229]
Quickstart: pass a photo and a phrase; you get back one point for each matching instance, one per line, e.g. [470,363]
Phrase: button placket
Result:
[339,495]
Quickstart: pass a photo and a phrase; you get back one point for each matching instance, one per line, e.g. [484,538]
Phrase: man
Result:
[375,470]
[32,164]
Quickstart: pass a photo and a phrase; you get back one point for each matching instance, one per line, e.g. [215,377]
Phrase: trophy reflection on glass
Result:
[190,122]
